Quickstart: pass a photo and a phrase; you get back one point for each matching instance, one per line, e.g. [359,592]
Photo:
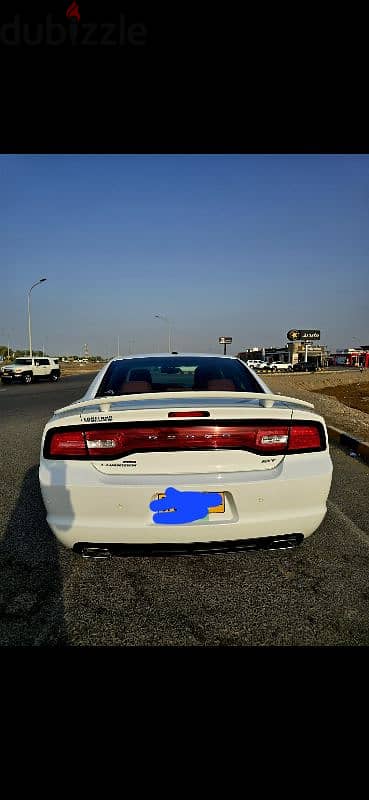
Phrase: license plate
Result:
[212,510]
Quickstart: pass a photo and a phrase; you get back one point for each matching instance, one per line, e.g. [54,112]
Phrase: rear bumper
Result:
[85,506]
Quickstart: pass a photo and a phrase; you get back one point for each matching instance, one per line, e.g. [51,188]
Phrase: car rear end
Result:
[103,462]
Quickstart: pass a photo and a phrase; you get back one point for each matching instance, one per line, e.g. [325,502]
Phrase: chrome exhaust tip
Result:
[95,552]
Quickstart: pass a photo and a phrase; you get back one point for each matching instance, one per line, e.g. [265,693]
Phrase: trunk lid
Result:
[221,409]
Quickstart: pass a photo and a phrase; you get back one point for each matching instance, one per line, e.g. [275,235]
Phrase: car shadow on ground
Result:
[31,599]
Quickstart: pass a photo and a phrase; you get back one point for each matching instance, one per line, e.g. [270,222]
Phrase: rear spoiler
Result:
[106,404]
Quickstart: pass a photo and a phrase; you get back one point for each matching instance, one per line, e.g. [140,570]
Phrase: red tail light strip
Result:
[117,442]
[189,414]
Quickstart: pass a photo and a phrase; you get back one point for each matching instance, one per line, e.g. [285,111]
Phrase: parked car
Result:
[140,441]
[262,366]
[277,366]
[304,366]
[30,369]
[255,363]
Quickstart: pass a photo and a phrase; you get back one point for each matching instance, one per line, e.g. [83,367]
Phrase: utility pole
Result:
[42,280]
[118,349]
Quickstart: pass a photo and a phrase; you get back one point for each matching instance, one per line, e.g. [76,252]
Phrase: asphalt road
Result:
[317,594]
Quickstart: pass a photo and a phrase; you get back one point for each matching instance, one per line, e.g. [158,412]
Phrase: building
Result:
[265,354]
[318,353]
[351,357]
[292,353]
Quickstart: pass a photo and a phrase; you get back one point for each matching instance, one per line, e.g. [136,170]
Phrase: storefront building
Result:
[292,353]
[351,357]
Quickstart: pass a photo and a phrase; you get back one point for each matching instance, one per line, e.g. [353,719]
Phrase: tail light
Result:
[122,441]
[68,444]
[304,437]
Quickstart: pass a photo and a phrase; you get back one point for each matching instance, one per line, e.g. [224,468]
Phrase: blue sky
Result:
[246,246]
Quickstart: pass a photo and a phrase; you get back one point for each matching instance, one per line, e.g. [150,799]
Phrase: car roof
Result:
[171,356]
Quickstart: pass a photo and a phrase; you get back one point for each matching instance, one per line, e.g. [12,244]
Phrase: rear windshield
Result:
[186,373]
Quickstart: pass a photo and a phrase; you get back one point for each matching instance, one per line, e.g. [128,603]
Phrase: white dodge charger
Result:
[183,453]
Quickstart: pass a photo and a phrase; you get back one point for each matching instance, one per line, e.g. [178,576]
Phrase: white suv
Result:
[280,366]
[256,363]
[276,366]
[31,369]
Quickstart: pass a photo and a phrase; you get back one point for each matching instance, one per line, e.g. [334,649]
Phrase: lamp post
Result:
[29,314]
[159,316]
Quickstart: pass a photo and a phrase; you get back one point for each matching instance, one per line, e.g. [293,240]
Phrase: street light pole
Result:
[29,314]
[159,316]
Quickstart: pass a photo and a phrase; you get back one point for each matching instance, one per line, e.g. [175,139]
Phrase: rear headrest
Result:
[201,377]
[222,385]
[140,375]
[135,387]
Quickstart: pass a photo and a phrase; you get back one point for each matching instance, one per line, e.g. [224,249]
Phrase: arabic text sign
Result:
[298,335]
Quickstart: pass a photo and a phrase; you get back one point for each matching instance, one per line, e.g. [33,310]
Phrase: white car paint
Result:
[281,366]
[108,501]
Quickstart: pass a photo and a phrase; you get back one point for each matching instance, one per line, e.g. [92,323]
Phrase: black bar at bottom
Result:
[193,548]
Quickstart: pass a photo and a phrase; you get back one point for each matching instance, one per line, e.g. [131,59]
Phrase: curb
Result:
[344,439]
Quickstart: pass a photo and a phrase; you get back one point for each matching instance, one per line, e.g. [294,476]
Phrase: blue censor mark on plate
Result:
[183,506]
